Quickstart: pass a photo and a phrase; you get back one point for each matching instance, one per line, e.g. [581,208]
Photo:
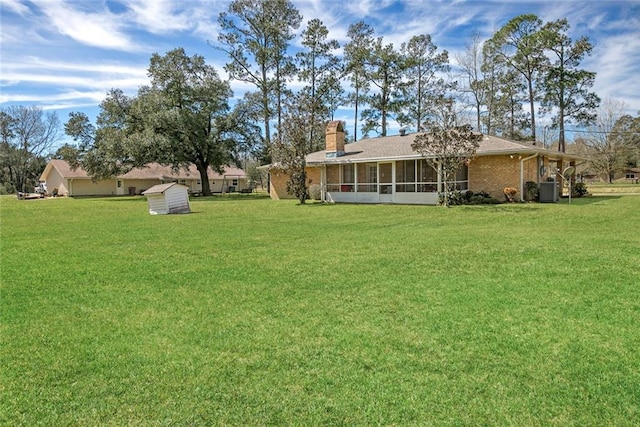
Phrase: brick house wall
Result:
[278,182]
[494,173]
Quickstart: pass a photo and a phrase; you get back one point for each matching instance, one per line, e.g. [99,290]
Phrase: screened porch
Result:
[403,181]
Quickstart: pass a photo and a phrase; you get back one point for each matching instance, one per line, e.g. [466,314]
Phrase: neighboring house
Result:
[68,182]
[631,175]
[387,170]
[628,175]
[169,198]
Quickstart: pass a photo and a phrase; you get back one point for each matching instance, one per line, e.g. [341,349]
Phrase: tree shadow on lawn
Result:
[230,197]
[589,200]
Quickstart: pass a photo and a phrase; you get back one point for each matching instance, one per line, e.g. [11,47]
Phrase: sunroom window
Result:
[341,178]
[367,177]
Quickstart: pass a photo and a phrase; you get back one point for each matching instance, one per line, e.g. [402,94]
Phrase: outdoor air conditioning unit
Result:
[548,192]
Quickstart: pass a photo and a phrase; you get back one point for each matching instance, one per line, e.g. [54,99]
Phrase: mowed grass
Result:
[257,312]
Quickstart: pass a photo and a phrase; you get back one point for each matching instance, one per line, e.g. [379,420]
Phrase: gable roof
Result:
[161,188]
[398,147]
[149,171]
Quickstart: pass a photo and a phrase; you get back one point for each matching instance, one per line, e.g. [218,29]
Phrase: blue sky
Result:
[64,55]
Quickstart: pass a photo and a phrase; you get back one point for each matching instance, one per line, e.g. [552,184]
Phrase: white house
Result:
[168,198]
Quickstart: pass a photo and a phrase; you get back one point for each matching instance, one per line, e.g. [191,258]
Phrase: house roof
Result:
[150,171]
[161,188]
[398,147]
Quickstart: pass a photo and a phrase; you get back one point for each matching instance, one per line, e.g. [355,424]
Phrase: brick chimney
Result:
[335,139]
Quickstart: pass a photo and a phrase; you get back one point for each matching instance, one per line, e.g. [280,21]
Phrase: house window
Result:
[119,184]
[630,176]
[367,177]
[234,182]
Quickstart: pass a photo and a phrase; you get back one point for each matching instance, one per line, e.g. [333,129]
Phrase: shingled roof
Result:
[398,147]
[150,171]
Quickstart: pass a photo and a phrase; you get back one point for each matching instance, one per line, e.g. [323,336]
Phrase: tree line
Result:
[184,116]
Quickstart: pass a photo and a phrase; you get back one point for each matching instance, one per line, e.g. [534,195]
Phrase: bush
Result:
[580,189]
[531,191]
[469,197]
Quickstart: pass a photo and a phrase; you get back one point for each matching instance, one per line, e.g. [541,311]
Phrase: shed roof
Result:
[161,188]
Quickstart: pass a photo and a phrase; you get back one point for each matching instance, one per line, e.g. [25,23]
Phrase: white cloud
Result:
[159,16]
[100,28]
[15,6]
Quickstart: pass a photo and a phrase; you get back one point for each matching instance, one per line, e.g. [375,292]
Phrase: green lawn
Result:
[257,312]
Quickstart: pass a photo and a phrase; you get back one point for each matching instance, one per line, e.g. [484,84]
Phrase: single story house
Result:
[68,182]
[628,175]
[168,198]
[388,170]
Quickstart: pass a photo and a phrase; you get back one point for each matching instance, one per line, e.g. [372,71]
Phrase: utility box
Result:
[548,192]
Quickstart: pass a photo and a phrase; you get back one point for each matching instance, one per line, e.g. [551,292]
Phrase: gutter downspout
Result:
[522,174]
[323,184]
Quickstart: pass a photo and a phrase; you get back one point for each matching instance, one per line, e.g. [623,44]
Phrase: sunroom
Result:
[412,181]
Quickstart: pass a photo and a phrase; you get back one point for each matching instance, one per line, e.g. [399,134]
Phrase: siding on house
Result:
[57,181]
[86,187]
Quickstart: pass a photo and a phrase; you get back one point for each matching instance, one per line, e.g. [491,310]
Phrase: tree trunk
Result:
[204,179]
[533,111]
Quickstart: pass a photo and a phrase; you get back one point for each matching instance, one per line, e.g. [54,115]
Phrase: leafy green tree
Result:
[255,35]
[181,118]
[520,45]
[508,117]
[445,148]
[424,86]
[111,147]
[384,68]
[566,87]
[28,136]
[356,54]
[317,65]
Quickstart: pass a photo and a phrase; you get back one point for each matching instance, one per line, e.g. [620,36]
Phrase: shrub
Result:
[580,189]
[469,198]
[531,191]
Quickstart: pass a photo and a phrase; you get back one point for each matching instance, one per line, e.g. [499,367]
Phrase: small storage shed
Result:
[168,198]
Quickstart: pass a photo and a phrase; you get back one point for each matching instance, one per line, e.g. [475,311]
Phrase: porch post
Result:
[560,166]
